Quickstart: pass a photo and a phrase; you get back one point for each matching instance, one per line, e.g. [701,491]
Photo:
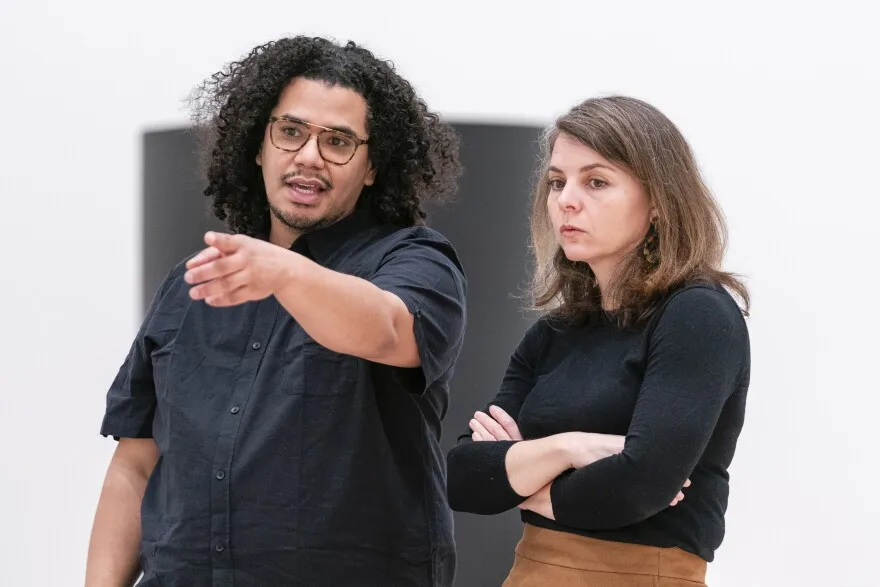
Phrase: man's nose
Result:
[309,155]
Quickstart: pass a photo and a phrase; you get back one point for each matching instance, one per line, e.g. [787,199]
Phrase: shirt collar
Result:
[321,245]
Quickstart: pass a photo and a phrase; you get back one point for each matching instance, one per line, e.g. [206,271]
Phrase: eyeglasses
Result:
[291,135]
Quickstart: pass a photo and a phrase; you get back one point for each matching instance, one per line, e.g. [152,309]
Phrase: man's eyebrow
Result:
[339,128]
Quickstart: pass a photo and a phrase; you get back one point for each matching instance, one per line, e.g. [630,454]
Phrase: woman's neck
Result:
[603,278]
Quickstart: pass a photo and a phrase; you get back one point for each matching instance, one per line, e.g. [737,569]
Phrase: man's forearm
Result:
[344,313]
[116,534]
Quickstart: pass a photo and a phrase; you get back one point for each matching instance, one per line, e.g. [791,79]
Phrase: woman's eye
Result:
[556,184]
[597,183]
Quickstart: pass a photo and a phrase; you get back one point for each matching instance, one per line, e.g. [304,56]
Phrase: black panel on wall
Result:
[487,224]
[176,214]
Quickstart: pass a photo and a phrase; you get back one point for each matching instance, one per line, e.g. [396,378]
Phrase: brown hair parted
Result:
[687,239]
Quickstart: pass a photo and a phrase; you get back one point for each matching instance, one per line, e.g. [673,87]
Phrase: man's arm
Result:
[348,314]
[131,407]
[116,533]
[373,320]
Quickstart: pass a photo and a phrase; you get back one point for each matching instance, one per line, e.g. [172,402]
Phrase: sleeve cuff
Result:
[429,365]
[558,496]
[129,417]
[477,478]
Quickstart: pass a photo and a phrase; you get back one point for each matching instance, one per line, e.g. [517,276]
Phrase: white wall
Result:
[781,106]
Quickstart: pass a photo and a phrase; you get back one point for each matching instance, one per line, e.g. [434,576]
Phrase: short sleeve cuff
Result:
[431,367]
[129,417]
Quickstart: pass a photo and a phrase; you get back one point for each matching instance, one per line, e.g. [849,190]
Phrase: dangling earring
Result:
[651,248]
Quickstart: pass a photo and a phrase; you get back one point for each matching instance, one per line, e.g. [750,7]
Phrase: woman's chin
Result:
[576,253]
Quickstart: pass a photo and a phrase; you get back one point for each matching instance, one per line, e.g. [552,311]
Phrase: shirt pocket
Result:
[326,373]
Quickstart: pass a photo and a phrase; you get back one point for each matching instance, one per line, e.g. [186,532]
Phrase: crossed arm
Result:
[532,465]
[697,352]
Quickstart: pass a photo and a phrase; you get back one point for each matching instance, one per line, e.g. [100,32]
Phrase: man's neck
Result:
[282,236]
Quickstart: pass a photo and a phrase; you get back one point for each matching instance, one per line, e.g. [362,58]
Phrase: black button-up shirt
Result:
[280,461]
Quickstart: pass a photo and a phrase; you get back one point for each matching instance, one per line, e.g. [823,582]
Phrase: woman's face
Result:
[598,210]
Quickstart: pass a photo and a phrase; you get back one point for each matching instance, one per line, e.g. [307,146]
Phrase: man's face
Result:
[320,182]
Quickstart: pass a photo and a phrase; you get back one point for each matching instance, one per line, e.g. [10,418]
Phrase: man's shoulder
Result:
[414,237]
[175,276]
[417,233]
[173,285]
[421,242]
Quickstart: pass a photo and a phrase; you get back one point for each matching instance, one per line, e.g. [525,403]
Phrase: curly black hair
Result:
[415,153]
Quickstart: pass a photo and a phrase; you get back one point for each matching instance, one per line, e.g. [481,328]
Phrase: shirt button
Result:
[219,547]
[235,409]
[256,346]
[221,474]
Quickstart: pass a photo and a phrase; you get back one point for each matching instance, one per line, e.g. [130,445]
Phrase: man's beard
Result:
[304,224]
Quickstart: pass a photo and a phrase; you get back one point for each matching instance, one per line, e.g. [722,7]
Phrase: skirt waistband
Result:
[589,554]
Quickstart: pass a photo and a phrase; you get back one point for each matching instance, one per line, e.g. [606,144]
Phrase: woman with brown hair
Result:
[631,387]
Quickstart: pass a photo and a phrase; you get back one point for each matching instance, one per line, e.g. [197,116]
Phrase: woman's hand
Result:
[496,425]
[680,495]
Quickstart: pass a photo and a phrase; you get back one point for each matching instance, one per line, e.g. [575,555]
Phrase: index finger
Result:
[206,256]
[227,243]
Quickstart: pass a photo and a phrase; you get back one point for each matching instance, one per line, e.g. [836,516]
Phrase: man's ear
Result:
[371,176]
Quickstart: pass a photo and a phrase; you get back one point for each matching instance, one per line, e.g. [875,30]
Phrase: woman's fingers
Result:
[479,431]
[508,423]
[491,426]
[680,495]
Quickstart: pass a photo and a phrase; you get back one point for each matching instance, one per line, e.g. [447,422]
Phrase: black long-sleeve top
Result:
[675,386]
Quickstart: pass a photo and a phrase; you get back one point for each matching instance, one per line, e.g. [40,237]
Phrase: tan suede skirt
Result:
[558,559]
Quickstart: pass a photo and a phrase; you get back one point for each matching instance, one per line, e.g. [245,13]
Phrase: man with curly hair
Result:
[279,412]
